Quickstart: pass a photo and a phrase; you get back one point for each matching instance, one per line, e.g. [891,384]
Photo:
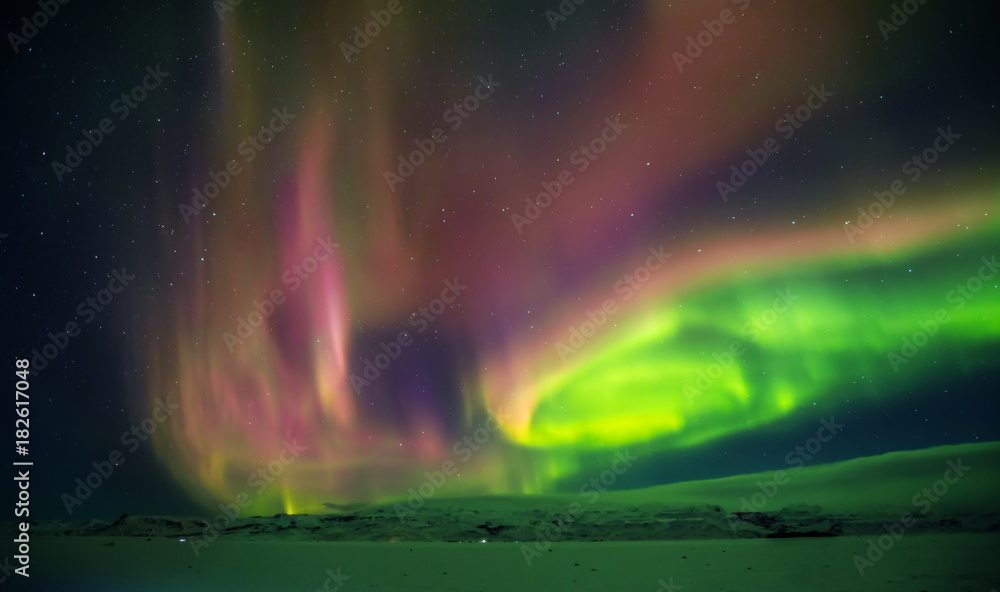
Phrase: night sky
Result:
[589,226]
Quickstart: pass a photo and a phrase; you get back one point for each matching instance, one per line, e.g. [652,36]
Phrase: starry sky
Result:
[689,230]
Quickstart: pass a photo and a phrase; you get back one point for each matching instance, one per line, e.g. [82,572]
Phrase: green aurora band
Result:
[735,352]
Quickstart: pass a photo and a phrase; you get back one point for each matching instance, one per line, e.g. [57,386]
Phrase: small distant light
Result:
[182,540]
[483,541]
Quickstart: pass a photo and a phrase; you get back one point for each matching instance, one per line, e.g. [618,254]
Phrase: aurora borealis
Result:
[634,380]
[486,213]
[639,380]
